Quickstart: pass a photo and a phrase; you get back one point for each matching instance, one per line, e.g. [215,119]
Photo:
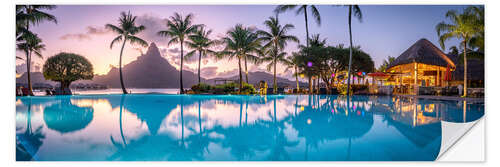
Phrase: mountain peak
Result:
[153,50]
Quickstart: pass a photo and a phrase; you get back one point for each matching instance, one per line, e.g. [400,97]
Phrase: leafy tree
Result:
[199,41]
[126,31]
[386,63]
[240,42]
[356,11]
[30,43]
[178,30]
[275,40]
[66,68]
[26,16]
[463,26]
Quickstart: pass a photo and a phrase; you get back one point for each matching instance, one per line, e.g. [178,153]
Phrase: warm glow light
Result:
[301,75]
[301,108]
[309,121]
[309,64]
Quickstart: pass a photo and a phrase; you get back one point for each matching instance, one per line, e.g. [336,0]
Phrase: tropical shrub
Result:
[247,89]
[202,88]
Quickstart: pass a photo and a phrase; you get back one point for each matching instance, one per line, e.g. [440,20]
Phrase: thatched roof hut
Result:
[424,52]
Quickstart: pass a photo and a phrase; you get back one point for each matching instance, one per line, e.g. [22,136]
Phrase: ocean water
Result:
[162,127]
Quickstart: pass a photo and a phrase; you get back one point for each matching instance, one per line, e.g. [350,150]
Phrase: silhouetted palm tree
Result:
[302,9]
[178,29]
[240,42]
[127,30]
[199,41]
[463,26]
[30,43]
[292,62]
[356,11]
[275,39]
[27,15]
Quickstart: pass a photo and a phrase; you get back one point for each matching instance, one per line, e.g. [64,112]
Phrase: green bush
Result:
[231,88]
[226,88]
[248,89]
[202,88]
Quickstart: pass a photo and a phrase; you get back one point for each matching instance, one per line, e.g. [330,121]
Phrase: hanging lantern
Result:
[309,64]
[359,73]
[333,75]
[364,73]
[301,75]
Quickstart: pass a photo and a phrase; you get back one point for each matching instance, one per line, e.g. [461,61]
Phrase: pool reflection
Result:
[182,127]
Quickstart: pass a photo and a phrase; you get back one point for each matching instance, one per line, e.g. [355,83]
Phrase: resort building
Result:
[422,64]
[425,66]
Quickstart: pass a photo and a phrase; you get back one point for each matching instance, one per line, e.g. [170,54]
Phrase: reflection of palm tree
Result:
[28,143]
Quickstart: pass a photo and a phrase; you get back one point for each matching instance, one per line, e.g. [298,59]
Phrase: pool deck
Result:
[456,98]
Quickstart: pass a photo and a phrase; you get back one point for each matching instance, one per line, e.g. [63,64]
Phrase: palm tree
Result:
[275,39]
[27,15]
[477,41]
[200,42]
[302,9]
[240,43]
[292,62]
[356,11]
[178,29]
[31,43]
[463,26]
[126,31]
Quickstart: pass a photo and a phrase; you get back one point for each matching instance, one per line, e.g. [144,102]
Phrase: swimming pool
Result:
[155,127]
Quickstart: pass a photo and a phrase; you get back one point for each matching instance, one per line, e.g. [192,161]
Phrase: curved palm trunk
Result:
[465,67]
[241,111]
[350,54]
[120,64]
[241,78]
[121,118]
[28,71]
[307,27]
[246,71]
[181,91]
[199,115]
[275,87]
[182,122]
[199,66]
[297,79]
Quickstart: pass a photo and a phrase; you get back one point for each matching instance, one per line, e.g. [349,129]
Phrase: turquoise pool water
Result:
[149,127]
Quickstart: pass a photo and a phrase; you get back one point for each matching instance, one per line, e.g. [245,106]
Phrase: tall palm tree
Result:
[27,15]
[292,62]
[302,9]
[463,26]
[199,41]
[178,29]
[299,10]
[30,44]
[477,41]
[240,42]
[356,11]
[126,31]
[275,39]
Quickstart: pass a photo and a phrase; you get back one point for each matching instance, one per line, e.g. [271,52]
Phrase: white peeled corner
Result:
[451,134]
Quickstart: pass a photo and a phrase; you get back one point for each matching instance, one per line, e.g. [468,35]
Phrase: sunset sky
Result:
[384,31]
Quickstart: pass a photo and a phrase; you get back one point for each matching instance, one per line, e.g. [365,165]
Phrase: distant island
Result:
[151,70]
